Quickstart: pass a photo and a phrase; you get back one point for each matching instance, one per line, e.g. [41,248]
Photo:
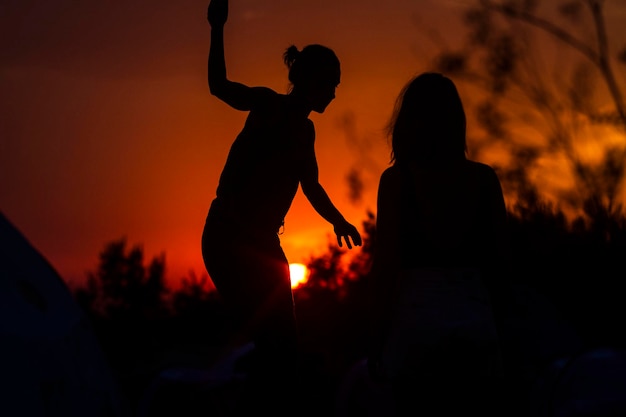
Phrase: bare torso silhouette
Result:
[267,161]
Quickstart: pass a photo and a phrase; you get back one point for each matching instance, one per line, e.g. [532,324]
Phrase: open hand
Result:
[346,231]
[217,13]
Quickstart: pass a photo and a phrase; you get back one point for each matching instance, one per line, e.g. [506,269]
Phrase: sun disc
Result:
[299,274]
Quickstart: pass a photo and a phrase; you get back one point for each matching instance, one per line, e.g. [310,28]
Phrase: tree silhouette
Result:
[194,294]
[123,286]
[548,117]
[578,265]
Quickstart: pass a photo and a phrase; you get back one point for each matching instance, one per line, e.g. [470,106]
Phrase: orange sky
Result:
[109,131]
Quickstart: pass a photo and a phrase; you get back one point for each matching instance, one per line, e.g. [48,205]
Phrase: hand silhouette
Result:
[217,13]
[347,231]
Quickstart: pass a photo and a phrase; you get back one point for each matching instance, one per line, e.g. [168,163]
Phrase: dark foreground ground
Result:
[551,371]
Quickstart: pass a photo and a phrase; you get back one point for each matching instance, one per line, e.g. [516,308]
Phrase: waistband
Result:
[226,215]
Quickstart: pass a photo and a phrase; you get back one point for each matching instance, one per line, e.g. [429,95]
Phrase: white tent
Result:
[50,361]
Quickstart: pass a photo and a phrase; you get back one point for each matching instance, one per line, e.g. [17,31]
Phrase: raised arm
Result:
[236,95]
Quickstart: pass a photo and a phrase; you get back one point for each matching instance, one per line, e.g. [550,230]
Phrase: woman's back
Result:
[440,242]
[451,214]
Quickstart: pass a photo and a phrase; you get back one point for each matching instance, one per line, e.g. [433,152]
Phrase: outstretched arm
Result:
[320,201]
[238,96]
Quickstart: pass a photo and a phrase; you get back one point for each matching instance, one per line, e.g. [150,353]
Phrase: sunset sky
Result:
[108,129]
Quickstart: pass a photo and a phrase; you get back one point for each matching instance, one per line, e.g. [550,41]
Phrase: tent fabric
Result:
[50,359]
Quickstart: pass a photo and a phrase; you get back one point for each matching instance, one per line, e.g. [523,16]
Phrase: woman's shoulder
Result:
[390,173]
[480,168]
[472,164]
[483,174]
[392,179]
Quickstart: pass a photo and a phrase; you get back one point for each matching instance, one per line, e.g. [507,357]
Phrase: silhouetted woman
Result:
[440,243]
[273,154]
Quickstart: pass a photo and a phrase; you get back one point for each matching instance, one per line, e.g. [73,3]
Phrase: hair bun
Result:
[290,55]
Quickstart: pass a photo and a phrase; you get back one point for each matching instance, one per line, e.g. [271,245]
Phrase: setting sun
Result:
[299,274]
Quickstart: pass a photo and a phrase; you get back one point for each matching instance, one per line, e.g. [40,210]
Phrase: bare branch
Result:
[546,26]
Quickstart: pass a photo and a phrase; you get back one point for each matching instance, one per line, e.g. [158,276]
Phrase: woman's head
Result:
[314,72]
[428,123]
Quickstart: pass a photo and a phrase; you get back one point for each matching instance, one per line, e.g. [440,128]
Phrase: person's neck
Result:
[299,105]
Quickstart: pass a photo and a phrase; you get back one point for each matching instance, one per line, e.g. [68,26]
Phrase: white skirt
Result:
[442,325]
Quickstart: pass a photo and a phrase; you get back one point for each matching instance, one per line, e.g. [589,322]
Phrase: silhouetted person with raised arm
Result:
[273,154]
[440,249]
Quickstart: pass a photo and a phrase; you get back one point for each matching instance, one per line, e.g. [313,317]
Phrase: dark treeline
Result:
[575,265]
